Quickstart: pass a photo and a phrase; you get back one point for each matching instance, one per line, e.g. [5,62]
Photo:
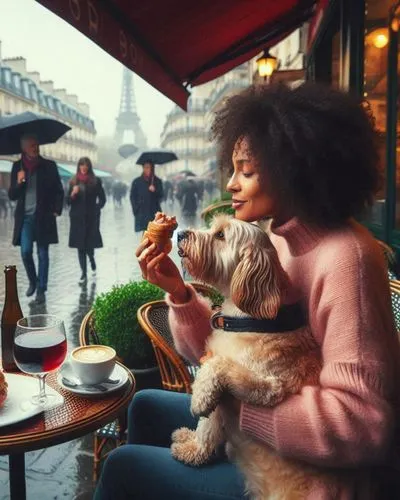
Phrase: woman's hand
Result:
[159,269]
[75,191]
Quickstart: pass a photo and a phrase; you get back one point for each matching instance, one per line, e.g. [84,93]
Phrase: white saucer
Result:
[119,373]
[18,406]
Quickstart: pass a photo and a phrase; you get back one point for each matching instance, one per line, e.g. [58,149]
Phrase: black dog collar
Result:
[289,318]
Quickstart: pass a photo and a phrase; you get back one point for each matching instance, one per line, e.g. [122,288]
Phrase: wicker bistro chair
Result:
[391,260]
[395,294]
[176,374]
[114,433]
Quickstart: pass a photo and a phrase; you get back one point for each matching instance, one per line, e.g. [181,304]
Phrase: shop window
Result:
[336,61]
[397,221]
[375,86]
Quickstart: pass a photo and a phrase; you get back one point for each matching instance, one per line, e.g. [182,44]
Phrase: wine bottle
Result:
[11,314]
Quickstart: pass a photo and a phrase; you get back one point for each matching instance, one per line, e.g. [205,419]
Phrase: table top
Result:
[79,415]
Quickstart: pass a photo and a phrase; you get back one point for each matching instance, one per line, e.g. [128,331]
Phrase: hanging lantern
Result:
[266,64]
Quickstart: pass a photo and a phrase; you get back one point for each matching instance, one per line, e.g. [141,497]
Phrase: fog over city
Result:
[62,54]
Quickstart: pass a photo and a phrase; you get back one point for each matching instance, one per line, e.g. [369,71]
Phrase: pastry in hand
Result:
[3,389]
[160,231]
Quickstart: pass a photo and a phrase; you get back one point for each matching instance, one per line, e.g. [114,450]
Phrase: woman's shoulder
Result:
[352,244]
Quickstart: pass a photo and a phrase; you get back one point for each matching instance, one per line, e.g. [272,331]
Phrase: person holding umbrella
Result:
[146,195]
[36,186]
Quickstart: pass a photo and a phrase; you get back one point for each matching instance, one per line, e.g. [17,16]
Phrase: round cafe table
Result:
[78,416]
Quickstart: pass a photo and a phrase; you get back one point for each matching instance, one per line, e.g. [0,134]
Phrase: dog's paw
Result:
[202,403]
[182,435]
[190,453]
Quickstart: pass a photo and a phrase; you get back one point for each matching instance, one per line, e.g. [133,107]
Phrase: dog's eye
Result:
[220,235]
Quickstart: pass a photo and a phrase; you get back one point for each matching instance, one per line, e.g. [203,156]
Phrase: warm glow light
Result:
[266,68]
[378,38]
[380,41]
[266,64]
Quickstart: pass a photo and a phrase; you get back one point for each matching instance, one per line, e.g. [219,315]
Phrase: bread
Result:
[160,231]
[3,389]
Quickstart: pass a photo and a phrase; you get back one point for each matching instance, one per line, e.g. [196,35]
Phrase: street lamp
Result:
[266,65]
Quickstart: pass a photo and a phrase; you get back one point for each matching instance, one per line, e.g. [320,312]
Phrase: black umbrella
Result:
[156,156]
[188,173]
[13,127]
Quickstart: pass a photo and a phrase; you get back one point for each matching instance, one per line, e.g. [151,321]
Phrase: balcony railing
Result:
[182,132]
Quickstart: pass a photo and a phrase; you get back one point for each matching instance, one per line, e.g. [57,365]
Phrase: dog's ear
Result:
[256,282]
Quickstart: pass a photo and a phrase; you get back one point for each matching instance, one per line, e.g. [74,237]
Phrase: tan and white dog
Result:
[239,259]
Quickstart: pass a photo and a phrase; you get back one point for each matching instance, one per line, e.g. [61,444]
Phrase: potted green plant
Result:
[116,325]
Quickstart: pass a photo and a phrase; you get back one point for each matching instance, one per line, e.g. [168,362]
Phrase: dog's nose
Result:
[183,235]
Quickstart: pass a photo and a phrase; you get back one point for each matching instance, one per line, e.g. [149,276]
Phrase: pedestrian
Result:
[36,186]
[86,197]
[190,198]
[168,190]
[146,195]
[308,158]
[3,203]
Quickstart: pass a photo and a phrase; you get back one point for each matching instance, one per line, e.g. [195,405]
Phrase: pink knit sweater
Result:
[349,419]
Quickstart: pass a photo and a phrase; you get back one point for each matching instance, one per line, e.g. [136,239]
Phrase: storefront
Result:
[354,45]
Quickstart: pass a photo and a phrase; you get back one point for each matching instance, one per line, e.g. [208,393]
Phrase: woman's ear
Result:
[255,284]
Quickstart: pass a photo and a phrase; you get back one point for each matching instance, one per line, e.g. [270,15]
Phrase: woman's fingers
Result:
[146,252]
[153,263]
[141,247]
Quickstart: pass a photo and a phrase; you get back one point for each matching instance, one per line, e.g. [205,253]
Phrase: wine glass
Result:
[40,346]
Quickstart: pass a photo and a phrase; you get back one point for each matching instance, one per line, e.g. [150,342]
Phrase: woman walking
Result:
[86,197]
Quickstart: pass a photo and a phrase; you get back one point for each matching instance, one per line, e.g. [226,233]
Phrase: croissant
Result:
[3,389]
[160,231]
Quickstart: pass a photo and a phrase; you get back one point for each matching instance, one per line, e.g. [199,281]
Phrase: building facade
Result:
[22,90]
[188,133]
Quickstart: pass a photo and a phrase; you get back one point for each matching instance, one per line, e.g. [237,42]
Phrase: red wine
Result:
[39,352]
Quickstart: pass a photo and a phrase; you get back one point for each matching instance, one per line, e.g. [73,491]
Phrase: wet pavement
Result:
[65,471]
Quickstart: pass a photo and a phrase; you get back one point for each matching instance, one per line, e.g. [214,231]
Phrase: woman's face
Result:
[83,168]
[251,199]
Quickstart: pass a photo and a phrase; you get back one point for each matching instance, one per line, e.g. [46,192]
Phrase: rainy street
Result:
[65,471]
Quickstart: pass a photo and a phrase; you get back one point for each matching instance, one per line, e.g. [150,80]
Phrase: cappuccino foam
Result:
[93,354]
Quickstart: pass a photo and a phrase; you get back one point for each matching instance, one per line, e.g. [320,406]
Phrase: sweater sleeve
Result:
[349,419]
[190,325]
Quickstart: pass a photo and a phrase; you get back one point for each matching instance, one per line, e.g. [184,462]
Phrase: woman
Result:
[86,197]
[308,158]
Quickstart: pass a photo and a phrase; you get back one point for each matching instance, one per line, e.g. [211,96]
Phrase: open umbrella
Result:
[13,127]
[156,156]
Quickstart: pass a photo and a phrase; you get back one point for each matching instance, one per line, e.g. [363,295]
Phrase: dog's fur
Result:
[239,259]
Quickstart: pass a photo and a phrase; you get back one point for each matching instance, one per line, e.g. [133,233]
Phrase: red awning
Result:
[173,44]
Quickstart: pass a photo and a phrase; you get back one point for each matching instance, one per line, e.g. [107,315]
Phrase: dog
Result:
[239,259]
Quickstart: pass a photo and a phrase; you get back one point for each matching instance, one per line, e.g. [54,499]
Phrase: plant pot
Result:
[147,378]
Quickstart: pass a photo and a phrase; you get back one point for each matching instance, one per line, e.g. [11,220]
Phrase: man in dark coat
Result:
[146,195]
[36,186]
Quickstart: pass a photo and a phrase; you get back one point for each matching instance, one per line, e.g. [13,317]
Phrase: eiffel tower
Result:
[128,120]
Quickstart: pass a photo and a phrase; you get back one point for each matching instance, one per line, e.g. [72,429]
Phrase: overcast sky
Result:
[62,54]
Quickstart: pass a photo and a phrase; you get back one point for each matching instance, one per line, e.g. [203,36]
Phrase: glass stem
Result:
[42,391]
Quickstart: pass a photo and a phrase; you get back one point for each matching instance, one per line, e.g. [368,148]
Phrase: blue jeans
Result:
[27,239]
[145,470]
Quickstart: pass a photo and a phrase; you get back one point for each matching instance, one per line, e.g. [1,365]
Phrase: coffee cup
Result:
[93,364]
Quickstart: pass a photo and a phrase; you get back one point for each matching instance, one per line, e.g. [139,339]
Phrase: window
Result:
[33,92]
[17,81]
[7,75]
[375,86]
[50,103]
[41,98]
[25,89]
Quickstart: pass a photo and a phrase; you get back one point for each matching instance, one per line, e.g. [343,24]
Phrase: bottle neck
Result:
[11,284]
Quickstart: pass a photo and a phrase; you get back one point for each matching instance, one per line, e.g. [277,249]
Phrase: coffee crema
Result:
[93,354]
